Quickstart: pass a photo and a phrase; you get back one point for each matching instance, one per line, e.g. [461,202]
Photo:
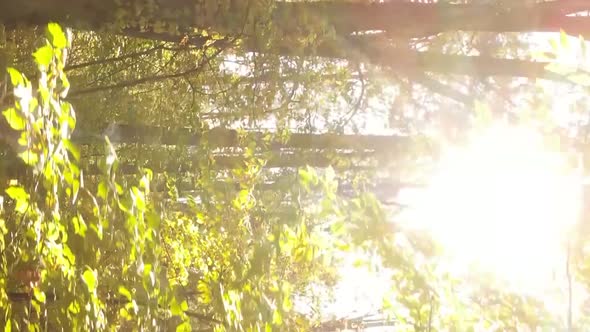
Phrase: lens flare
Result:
[502,204]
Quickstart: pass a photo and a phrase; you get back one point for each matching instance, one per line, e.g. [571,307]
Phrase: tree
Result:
[107,253]
[408,19]
[344,18]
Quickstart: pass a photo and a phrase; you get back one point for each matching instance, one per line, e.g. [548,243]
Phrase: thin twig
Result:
[113,59]
[154,78]
[348,117]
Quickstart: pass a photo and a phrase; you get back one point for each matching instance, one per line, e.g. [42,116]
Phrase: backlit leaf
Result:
[43,55]
[72,148]
[39,295]
[89,278]
[17,193]
[125,292]
[14,119]
[29,157]
[184,327]
[16,78]
[57,35]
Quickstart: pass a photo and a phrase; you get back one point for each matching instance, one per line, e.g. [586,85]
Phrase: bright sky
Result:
[503,202]
[502,205]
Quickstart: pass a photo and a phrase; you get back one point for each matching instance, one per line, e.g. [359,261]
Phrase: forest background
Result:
[212,165]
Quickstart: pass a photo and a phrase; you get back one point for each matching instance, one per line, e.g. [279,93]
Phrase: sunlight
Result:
[502,205]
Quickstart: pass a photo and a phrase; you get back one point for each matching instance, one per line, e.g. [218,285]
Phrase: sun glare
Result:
[502,205]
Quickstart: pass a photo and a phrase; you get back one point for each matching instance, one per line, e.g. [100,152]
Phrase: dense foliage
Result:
[102,250]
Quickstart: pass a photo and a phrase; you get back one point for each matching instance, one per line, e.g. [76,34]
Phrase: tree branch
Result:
[149,79]
[113,59]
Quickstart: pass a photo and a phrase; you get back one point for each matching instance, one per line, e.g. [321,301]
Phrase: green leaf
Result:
[51,233]
[73,148]
[564,40]
[79,226]
[153,219]
[150,275]
[56,35]
[16,78]
[184,327]
[277,318]
[39,295]
[287,304]
[43,55]
[125,292]
[205,291]
[144,183]
[29,157]
[242,199]
[138,198]
[102,190]
[175,307]
[68,254]
[74,307]
[308,177]
[89,278]
[124,314]
[14,119]
[17,193]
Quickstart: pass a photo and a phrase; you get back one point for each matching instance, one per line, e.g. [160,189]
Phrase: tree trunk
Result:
[408,19]
[221,137]
[378,51]
[413,19]
[294,160]
[344,17]
[15,168]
